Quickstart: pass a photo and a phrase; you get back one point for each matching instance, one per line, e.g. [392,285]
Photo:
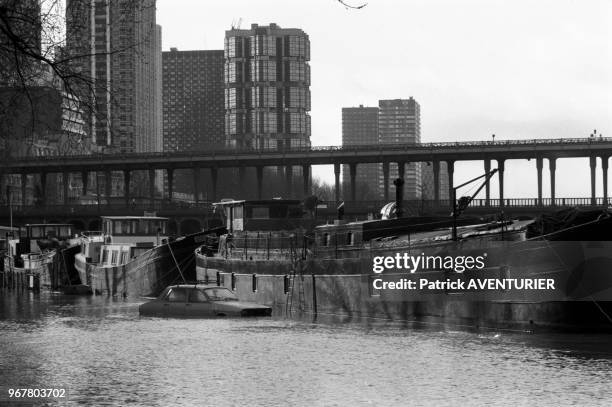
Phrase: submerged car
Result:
[198,300]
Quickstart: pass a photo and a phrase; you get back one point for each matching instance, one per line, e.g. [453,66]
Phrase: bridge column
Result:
[604,170]
[84,182]
[500,172]
[539,168]
[170,176]
[386,180]
[65,182]
[353,176]
[450,165]
[487,167]
[337,181]
[593,164]
[288,180]
[213,176]
[43,187]
[126,186]
[24,185]
[259,171]
[242,181]
[196,181]
[306,176]
[552,165]
[401,169]
[108,186]
[436,179]
[152,186]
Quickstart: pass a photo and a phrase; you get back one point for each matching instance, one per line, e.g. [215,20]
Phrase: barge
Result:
[329,269]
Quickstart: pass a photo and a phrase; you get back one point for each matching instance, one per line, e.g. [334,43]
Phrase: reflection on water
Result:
[107,355]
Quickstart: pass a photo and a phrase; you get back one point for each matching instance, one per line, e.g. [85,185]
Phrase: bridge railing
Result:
[349,147]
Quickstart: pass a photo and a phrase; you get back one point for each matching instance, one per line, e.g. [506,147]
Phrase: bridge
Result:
[352,155]
[192,217]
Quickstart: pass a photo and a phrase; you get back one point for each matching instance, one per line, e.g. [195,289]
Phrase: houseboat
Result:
[33,252]
[134,256]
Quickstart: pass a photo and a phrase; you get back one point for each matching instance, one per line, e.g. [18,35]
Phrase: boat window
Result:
[220,294]
[260,213]
[114,256]
[104,255]
[350,238]
[36,232]
[238,212]
[124,258]
[326,239]
[125,227]
[196,295]
[64,231]
[146,227]
[117,228]
[177,294]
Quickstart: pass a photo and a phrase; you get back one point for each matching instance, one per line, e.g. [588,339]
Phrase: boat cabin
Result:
[261,215]
[147,231]
[37,234]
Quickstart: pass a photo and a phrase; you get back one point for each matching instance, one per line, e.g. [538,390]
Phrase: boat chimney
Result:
[399,196]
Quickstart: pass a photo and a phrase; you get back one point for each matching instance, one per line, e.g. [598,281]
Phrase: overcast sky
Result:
[518,69]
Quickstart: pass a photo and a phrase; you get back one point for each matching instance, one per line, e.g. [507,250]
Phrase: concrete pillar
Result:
[108,186]
[126,186]
[241,181]
[196,182]
[436,176]
[604,171]
[170,176]
[500,172]
[487,167]
[306,176]
[539,168]
[337,181]
[593,164]
[386,180]
[353,176]
[213,176]
[43,187]
[401,169]
[552,165]
[288,180]
[84,182]
[24,185]
[259,171]
[152,185]
[450,166]
[65,183]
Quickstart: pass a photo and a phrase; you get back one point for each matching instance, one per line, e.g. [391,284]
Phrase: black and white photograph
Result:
[305,203]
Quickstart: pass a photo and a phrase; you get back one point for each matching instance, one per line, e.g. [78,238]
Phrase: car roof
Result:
[198,285]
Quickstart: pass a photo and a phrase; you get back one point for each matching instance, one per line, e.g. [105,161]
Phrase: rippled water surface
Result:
[105,354]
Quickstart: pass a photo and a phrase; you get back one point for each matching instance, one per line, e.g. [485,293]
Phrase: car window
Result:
[220,294]
[196,295]
[177,294]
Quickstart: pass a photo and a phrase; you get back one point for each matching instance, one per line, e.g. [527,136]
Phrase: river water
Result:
[103,353]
